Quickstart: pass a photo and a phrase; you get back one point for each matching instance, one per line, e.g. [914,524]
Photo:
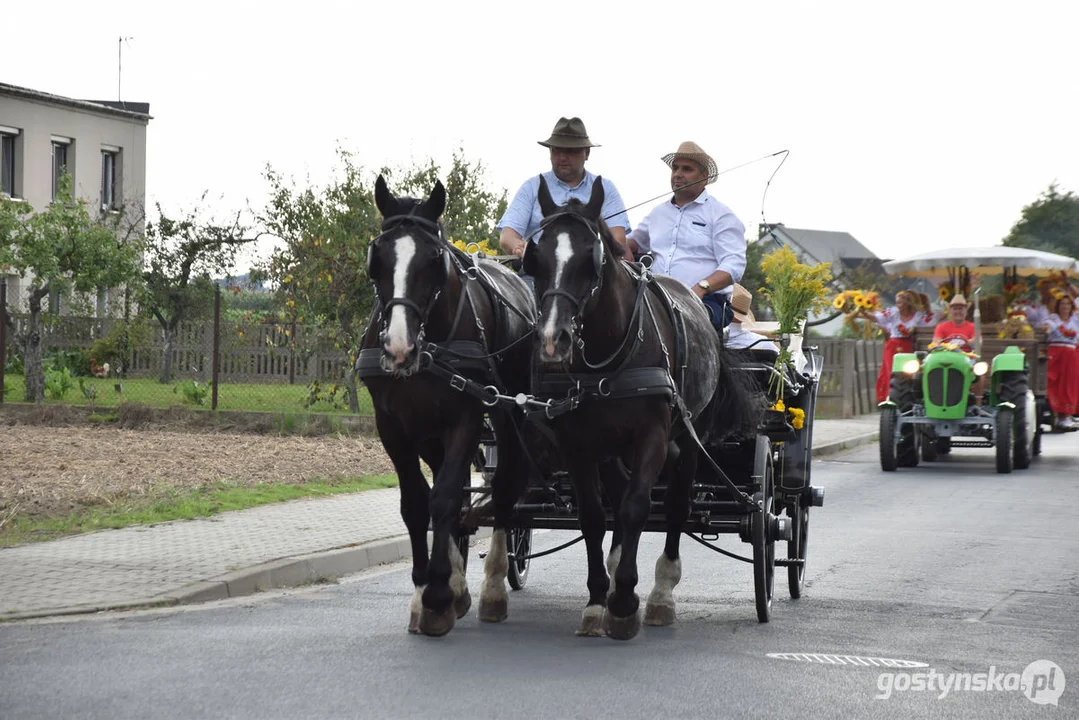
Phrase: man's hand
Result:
[699,291]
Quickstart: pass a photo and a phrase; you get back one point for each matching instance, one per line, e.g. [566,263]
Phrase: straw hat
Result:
[958,300]
[693,151]
[568,133]
[741,304]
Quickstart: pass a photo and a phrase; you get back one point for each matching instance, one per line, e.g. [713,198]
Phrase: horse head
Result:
[567,265]
[408,264]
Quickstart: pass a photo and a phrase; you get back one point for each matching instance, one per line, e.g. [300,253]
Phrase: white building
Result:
[101,144]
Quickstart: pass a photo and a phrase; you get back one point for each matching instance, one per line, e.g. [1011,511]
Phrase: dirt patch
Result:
[47,470]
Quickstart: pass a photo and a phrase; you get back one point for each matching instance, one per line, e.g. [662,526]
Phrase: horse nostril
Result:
[563,340]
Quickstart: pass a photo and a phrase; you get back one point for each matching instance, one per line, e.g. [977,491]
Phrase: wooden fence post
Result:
[3,335]
[848,382]
[215,360]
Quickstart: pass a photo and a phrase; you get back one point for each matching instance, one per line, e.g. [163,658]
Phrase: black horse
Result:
[447,333]
[643,358]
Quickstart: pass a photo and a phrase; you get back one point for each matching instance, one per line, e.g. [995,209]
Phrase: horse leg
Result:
[414,497]
[622,620]
[593,523]
[446,593]
[507,486]
[660,608]
[614,477]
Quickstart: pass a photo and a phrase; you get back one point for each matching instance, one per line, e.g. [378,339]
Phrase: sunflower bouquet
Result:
[795,290]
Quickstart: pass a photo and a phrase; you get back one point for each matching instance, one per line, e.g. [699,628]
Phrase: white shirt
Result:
[739,338]
[890,322]
[690,243]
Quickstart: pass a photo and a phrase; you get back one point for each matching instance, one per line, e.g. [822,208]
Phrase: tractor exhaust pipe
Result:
[977,325]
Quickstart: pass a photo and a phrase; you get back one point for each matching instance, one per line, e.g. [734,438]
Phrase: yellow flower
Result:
[779,406]
[840,301]
[944,293]
[798,418]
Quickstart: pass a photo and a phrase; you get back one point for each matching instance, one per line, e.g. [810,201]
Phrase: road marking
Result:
[856,660]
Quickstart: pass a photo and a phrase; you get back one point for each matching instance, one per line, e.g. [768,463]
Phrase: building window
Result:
[7,161]
[61,152]
[110,179]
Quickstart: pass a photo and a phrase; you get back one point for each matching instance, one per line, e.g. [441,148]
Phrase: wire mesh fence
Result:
[232,361]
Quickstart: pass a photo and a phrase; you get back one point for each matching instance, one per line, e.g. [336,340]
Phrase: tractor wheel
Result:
[887,439]
[1014,388]
[1005,423]
[901,393]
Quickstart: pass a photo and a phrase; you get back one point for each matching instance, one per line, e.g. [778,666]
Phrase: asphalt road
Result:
[948,565]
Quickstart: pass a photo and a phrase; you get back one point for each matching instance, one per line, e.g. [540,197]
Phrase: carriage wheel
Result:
[797,546]
[764,545]
[520,542]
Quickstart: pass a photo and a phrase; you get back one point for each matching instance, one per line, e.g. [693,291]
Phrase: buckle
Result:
[457,382]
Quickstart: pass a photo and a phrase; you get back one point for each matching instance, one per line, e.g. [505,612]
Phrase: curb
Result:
[849,444]
[324,566]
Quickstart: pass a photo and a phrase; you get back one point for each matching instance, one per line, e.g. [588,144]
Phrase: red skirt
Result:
[884,377]
[1063,380]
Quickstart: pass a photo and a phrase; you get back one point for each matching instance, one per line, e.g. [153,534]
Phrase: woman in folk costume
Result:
[1062,325]
[898,323]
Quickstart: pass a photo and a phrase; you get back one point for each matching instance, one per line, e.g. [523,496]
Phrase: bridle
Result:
[433,231]
[599,259]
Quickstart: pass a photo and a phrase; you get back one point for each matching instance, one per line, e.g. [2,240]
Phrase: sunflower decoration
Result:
[1057,293]
[944,293]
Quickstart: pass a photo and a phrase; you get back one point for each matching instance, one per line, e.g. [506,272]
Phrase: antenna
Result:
[120,63]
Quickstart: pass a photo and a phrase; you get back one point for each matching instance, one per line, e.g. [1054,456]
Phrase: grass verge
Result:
[188,505]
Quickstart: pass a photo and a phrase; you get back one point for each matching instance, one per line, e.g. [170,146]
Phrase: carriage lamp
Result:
[981,368]
[910,367]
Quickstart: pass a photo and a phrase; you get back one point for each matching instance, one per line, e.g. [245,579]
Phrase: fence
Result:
[261,366]
[271,366]
[849,376]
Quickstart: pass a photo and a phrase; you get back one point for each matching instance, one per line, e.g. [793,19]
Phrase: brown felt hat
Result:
[692,151]
[568,133]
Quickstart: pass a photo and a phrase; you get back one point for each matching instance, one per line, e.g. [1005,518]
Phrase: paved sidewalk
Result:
[239,553]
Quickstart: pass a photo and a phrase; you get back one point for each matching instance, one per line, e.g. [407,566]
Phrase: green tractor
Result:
[930,408]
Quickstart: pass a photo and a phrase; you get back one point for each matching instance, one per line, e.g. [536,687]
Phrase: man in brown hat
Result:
[694,237]
[569,147]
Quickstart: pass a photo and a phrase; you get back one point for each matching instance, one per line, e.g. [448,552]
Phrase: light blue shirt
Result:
[524,216]
[690,243]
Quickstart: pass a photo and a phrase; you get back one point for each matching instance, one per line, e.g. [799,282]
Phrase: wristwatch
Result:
[704,285]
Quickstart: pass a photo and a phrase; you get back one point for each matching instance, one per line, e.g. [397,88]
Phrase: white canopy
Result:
[987,260]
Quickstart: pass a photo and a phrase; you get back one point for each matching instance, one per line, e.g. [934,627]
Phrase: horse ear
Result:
[546,202]
[383,197]
[595,203]
[436,204]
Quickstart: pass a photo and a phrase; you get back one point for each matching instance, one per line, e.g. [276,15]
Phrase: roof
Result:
[823,245]
[132,110]
[987,259]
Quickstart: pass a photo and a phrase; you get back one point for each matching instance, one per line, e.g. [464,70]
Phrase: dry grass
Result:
[49,471]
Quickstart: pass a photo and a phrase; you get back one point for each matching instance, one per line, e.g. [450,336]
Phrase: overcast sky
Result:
[911,125]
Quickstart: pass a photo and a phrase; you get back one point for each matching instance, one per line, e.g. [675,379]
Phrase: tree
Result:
[319,270]
[1050,223]
[182,257]
[64,249]
[471,208]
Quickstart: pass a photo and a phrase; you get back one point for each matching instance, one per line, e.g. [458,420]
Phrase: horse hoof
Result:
[658,615]
[493,610]
[437,624]
[621,628]
[591,622]
[461,603]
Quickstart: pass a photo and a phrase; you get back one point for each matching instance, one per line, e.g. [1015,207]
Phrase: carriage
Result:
[469,368]
[767,502]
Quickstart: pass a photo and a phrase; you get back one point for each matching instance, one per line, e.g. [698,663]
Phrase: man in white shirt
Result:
[694,237]
[739,336]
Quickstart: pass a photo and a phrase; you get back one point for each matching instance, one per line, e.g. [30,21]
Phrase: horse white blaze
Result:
[563,252]
[397,344]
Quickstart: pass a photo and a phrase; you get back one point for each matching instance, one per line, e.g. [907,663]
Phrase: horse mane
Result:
[576,207]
